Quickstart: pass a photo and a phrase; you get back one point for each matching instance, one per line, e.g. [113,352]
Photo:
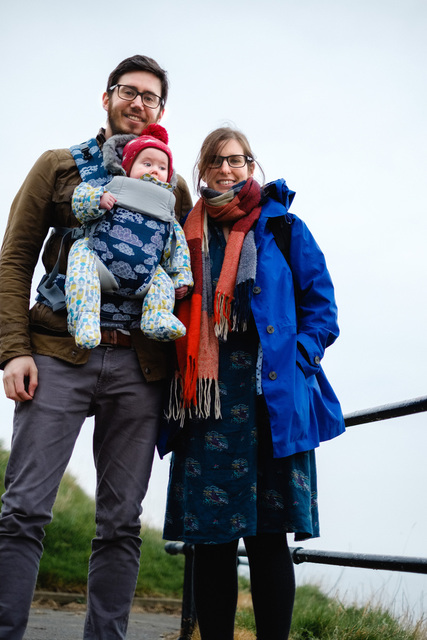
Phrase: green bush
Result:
[160,574]
[67,544]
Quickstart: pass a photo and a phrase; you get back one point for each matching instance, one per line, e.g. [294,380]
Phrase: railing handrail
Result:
[342,558]
[386,411]
[361,560]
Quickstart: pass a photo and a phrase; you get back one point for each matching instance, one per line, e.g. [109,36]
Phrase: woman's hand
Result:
[20,378]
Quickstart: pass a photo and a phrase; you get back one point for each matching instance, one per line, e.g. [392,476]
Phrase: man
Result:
[56,385]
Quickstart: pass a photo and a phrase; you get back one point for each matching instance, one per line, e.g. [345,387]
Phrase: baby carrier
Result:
[120,250]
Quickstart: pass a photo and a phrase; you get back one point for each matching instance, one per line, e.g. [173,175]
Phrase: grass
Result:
[64,566]
[318,617]
[160,574]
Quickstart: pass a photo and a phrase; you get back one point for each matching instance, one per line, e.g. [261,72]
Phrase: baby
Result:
[134,250]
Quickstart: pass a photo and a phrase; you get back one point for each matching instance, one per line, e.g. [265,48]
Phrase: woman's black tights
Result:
[272,587]
[272,584]
[215,589]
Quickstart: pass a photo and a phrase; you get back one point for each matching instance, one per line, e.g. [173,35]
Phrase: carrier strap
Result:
[89,161]
[47,286]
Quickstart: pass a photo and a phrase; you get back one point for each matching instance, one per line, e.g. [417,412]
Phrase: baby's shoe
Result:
[160,324]
[157,320]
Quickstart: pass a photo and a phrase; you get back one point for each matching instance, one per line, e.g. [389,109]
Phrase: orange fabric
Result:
[198,350]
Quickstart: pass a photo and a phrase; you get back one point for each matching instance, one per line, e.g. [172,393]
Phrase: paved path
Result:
[48,624]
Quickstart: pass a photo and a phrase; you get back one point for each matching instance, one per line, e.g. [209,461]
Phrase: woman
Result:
[249,390]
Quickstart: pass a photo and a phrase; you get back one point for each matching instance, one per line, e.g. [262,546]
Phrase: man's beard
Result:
[118,124]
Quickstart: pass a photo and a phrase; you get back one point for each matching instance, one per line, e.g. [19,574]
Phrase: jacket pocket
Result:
[42,318]
[307,366]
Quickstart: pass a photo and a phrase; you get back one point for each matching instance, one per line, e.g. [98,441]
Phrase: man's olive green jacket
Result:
[43,202]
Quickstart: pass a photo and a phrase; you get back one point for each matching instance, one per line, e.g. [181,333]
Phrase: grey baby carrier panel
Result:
[144,197]
[129,240]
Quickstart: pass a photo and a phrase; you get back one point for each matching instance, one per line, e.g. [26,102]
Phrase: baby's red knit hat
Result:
[154,136]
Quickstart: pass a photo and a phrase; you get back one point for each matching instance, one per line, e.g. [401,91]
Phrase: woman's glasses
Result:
[235,162]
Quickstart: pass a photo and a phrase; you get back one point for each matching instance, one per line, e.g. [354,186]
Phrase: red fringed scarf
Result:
[198,350]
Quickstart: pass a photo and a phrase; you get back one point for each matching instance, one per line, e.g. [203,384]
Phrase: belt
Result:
[115,338]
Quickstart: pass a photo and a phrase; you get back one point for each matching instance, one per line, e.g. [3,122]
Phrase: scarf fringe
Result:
[203,409]
[208,397]
[190,382]
[222,315]
[232,314]
[175,410]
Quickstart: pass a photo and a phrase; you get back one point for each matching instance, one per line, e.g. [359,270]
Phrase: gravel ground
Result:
[56,616]
[66,624]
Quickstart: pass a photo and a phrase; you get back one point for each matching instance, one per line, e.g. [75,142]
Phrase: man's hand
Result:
[20,378]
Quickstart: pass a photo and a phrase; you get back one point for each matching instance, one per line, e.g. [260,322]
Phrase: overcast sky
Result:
[332,96]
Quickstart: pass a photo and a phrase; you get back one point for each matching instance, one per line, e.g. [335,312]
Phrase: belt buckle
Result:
[115,338]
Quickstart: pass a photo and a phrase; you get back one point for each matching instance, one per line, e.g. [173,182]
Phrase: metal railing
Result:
[299,554]
[386,411]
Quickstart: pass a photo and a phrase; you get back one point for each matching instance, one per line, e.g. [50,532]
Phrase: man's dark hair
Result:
[140,63]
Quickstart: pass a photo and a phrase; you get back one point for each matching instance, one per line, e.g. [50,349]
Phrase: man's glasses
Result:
[149,99]
[235,162]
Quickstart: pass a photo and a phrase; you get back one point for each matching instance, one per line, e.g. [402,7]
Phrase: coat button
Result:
[147,370]
[257,290]
[317,360]
[272,375]
[270,329]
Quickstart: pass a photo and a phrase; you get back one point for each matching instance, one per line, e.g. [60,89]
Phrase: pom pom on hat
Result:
[154,136]
[157,131]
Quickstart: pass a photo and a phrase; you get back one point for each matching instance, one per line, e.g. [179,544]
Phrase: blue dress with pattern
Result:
[224,483]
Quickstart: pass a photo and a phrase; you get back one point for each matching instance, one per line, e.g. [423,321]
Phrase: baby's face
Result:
[152,161]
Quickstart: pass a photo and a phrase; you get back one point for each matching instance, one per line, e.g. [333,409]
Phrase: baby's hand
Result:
[181,292]
[107,201]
